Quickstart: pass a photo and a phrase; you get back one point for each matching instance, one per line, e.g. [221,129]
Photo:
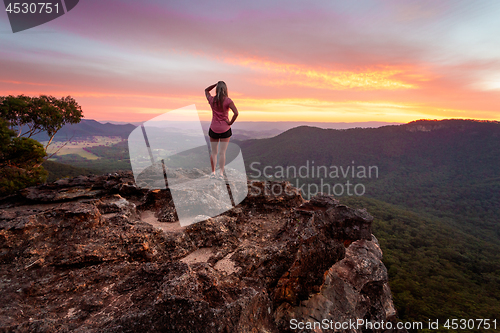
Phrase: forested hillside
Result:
[435,270]
[449,169]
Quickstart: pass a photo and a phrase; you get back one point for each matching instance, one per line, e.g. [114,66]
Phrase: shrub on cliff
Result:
[20,161]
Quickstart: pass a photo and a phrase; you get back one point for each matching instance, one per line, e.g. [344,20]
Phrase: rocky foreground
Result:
[99,254]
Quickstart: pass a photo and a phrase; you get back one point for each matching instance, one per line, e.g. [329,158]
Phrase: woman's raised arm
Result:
[207,90]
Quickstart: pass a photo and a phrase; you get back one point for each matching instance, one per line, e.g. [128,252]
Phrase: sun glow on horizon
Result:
[141,107]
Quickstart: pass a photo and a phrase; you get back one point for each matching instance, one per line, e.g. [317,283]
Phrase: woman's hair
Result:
[220,93]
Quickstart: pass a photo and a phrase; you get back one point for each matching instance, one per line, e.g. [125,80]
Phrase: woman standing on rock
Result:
[220,128]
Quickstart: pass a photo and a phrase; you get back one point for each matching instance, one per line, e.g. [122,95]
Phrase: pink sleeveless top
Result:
[219,124]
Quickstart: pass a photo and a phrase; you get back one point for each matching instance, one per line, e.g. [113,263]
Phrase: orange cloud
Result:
[382,78]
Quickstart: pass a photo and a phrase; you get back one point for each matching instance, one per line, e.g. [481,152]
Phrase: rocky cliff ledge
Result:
[98,254]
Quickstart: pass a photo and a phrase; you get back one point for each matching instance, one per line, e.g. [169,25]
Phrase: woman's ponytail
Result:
[220,94]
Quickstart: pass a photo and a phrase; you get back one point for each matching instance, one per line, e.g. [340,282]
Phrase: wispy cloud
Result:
[381,78]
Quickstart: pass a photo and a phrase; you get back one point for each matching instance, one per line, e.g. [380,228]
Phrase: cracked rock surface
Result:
[100,254]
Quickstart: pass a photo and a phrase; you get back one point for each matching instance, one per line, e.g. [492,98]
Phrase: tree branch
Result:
[64,145]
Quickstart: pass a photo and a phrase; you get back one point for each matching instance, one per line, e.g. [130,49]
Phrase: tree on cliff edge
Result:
[20,161]
[21,117]
[28,116]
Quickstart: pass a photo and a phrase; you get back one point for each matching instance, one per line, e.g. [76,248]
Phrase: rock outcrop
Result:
[99,254]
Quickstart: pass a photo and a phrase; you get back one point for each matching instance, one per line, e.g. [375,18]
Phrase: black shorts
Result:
[225,135]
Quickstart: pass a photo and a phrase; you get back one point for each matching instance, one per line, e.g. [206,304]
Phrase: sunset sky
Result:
[307,61]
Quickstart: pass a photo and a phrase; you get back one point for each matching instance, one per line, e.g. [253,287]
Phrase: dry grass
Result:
[77,146]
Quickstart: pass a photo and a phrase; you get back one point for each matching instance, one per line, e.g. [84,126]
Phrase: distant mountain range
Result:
[88,128]
[241,130]
[280,125]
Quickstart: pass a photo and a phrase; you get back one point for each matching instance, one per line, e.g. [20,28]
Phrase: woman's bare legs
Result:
[214,145]
[222,158]
[213,153]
